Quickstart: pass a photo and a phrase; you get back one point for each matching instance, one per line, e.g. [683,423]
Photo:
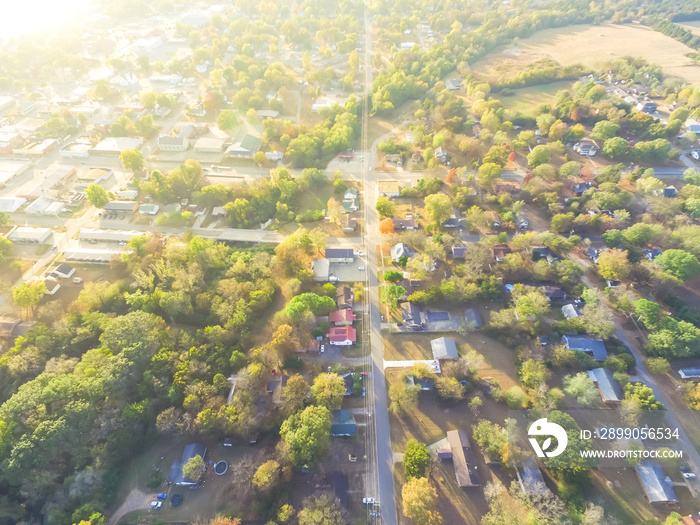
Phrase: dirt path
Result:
[136,500]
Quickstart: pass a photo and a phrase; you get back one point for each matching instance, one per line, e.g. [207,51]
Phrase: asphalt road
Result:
[384,481]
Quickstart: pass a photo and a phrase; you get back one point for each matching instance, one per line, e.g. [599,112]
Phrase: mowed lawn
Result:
[526,100]
[498,363]
[590,45]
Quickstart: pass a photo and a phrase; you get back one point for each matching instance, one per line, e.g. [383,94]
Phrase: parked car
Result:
[156,504]
[689,475]
[362,268]
[368,501]
[695,154]
[323,348]
[364,391]
[162,496]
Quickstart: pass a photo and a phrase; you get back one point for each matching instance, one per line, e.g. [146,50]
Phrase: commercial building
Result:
[27,235]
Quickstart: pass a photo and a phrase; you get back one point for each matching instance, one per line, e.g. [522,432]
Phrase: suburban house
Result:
[410,314]
[582,187]
[584,343]
[610,390]
[458,252]
[593,254]
[670,191]
[689,373]
[530,477]
[149,209]
[693,125]
[344,425]
[571,311]
[63,271]
[275,387]
[246,148]
[340,255]
[349,379]
[586,148]
[500,251]
[522,222]
[647,106]
[444,348]
[342,335]
[209,145]
[426,385]
[441,154]
[658,487]
[405,224]
[344,297]
[399,250]
[176,476]
[652,254]
[454,84]
[349,224]
[473,317]
[457,448]
[554,293]
[51,286]
[341,317]
[388,188]
[493,218]
[176,142]
[691,519]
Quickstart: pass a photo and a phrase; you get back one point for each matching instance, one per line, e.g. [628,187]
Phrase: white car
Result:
[156,504]
[323,348]
[695,154]
[689,475]
[362,268]
[368,501]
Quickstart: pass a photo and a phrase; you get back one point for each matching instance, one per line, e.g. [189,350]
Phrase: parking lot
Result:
[350,273]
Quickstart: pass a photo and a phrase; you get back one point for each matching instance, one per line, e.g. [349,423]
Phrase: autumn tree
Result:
[438,207]
[329,390]
[27,296]
[403,397]
[227,119]
[295,394]
[321,510]
[194,468]
[386,226]
[267,476]
[385,206]
[613,264]
[419,502]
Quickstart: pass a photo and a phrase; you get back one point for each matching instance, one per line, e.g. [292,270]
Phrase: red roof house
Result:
[341,317]
[342,335]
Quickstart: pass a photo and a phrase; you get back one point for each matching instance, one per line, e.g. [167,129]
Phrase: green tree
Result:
[658,365]
[488,172]
[604,130]
[308,435]
[449,388]
[419,502]
[132,159]
[615,148]
[679,263]
[295,394]
[391,294]
[194,468]
[438,208]
[259,158]
[97,195]
[392,276]
[539,155]
[227,119]
[267,476]
[329,390]
[386,206]
[534,373]
[416,459]
[581,388]
[27,296]
[642,397]
[493,439]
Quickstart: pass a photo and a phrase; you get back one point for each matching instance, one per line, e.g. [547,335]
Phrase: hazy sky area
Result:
[36,15]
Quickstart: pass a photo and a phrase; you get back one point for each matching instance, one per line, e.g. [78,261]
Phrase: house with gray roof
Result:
[399,250]
[444,348]
[530,477]
[410,314]
[344,425]
[473,317]
[571,311]
[246,148]
[610,390]
[456,447]
[658,487]
[176,476]
[689,372]
[584,343]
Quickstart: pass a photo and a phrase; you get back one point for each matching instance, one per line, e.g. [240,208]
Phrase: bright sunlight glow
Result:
[36,15]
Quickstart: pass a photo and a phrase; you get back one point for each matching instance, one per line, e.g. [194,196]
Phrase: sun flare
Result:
[21,18]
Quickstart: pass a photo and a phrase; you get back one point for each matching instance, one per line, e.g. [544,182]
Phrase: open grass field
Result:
[590,45]
[527,99]
[498,359]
